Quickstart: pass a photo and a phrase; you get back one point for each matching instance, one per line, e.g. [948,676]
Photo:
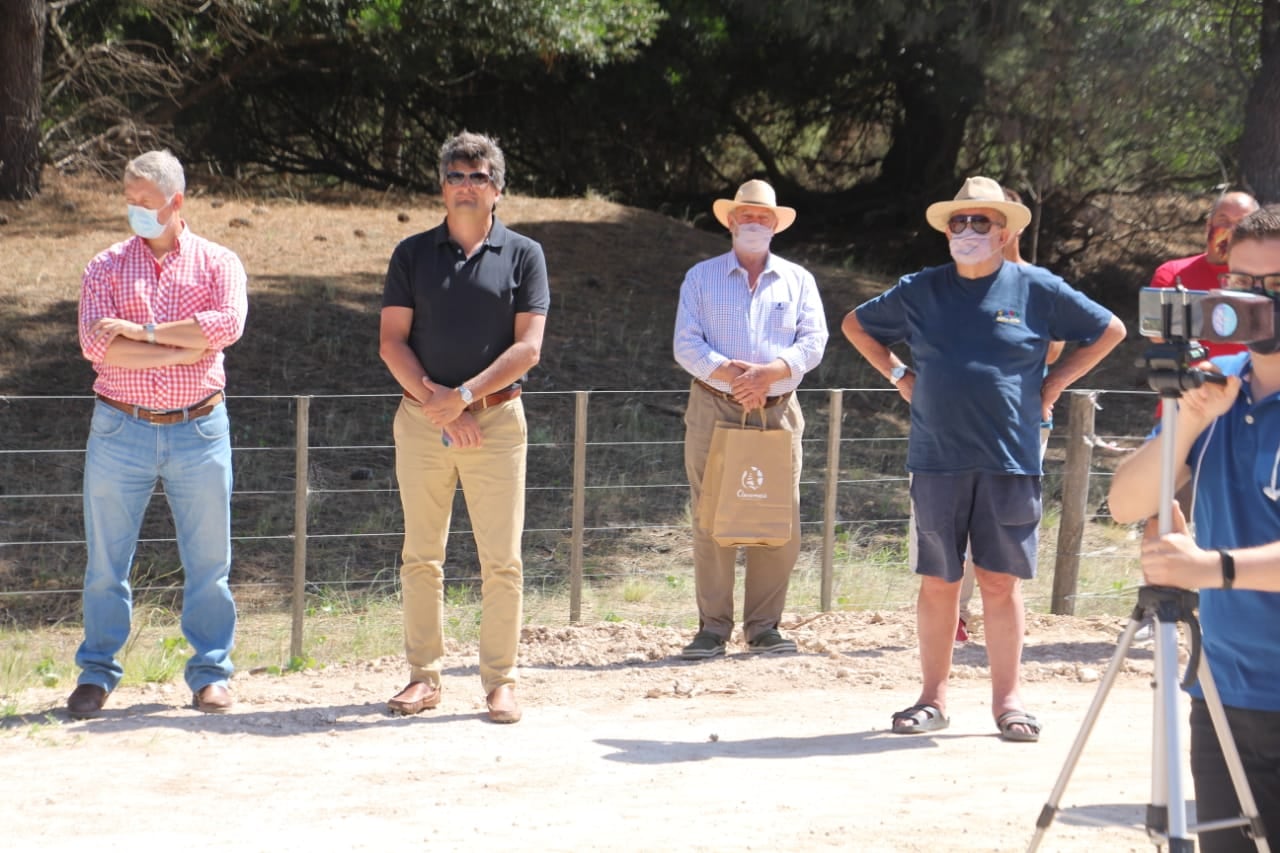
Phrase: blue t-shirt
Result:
[1232,463]
[979,347]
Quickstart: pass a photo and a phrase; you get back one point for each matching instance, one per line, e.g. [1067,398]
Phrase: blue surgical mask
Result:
[752,238]
[145,222]
[972,248]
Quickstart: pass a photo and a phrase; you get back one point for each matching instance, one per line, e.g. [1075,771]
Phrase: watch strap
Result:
[1228,568]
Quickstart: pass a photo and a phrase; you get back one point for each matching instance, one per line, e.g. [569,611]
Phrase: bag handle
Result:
[763,423]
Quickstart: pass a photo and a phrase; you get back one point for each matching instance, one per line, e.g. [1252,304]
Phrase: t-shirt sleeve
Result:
[534,293]
[397,290]
[1076,317]
[884,318]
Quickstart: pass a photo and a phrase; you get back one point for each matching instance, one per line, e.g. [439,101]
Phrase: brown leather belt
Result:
[172,416]
[769,402]
[484,402]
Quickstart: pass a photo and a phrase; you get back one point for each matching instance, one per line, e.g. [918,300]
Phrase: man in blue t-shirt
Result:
[978,330]
[1227,446]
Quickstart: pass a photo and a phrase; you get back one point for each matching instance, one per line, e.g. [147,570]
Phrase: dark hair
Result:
[1262,224]
[475,148]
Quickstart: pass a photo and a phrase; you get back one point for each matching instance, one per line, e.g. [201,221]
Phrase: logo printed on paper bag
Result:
[752,482]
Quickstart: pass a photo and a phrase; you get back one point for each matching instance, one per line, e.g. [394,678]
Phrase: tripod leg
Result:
[1235,767]
[1167,814]
[1073,756]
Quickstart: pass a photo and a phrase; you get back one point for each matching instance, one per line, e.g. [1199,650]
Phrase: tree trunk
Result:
[1260,145]
[21,68]
[937,91]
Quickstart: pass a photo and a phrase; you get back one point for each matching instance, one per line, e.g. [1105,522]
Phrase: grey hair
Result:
[160,168]
[474,148]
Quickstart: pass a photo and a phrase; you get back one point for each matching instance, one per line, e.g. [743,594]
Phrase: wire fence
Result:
[316,511]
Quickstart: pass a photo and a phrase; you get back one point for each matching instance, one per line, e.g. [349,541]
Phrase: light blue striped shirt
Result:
[721,320]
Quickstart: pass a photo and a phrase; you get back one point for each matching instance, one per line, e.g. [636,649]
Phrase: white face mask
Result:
[752,239]
[971,248]
[145,222]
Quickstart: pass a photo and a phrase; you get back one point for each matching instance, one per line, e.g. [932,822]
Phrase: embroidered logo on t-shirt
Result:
[1008,315]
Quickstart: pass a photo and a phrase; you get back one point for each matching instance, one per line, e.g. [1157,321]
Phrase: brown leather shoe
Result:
[86,701]
[503,707]
[418,696]
[212,699]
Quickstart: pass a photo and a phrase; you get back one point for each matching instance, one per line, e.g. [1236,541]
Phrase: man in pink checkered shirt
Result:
[156,312]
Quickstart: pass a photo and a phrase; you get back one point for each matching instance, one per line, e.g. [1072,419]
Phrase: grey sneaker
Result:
[770,642]
[705,645]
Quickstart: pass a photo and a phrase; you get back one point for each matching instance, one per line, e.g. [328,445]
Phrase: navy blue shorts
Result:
[998,515]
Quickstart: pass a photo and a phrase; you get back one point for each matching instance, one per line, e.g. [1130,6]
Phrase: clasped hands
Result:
[750,388]
[445,409]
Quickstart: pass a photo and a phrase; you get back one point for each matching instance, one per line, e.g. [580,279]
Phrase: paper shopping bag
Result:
[753,504]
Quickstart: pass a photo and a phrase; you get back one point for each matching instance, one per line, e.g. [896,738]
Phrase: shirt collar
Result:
[496,238]
[735,266]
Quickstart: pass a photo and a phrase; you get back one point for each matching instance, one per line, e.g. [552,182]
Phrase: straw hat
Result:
[979,192]
[754,194]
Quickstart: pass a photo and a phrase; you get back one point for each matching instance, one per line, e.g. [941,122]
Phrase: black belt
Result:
[769,402]
[170,416]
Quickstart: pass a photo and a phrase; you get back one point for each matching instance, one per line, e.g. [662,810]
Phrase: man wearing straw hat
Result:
[978,330]
[749,326]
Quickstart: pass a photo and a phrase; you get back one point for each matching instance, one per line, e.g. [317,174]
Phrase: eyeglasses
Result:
[475,179]
[1268,284]
[981,224]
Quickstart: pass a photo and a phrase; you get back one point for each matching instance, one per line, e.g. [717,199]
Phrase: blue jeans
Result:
[125,459]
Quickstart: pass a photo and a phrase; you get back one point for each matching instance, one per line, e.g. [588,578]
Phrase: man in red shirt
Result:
[1200,272]
[156,312]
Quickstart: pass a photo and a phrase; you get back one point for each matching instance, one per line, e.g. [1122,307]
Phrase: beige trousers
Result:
[768,569]
[493,478]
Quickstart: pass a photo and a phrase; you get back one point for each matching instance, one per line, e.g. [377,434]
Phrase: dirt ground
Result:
[622,746]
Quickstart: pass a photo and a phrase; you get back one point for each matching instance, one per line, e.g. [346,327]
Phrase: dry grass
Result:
[316,262]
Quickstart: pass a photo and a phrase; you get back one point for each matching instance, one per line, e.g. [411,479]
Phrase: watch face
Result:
[466,394]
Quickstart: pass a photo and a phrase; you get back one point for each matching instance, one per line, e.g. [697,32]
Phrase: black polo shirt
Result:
[464,308]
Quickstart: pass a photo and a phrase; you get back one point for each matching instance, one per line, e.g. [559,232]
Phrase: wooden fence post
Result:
[835,415]
[1075,500]
[579,505]
[301,490]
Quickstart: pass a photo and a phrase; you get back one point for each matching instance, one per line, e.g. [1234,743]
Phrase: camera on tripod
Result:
[1219,316]
[1178,318]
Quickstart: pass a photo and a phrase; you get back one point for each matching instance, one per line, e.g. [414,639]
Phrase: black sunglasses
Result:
[475,179]
[1268,285]
[981,224]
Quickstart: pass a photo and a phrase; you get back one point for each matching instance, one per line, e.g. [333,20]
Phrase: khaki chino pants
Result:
[768,569]
[493,478]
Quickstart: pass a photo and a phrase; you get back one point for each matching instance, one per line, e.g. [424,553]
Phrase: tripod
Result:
[1166,818]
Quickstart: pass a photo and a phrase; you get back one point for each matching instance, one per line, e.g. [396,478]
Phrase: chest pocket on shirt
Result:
[782,318]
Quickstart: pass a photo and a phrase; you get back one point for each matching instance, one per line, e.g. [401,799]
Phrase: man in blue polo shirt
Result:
[463,312]
[1227,447]
[979,331]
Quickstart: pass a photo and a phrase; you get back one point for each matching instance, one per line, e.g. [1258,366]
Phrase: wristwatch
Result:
[150,329]
[895,375]
[465,393]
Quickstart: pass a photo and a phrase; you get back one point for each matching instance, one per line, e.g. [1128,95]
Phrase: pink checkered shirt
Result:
[197,279]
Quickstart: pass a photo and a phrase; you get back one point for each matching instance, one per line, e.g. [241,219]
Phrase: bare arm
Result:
[1079,362]
[397,355]
[1135,488]
[1175,560]
[879,355]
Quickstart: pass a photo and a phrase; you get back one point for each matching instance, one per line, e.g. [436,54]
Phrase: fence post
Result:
[301,490]
[579,504]
[835,415]
[1075,500]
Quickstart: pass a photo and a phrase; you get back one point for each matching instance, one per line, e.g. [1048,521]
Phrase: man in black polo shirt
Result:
[463,312]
